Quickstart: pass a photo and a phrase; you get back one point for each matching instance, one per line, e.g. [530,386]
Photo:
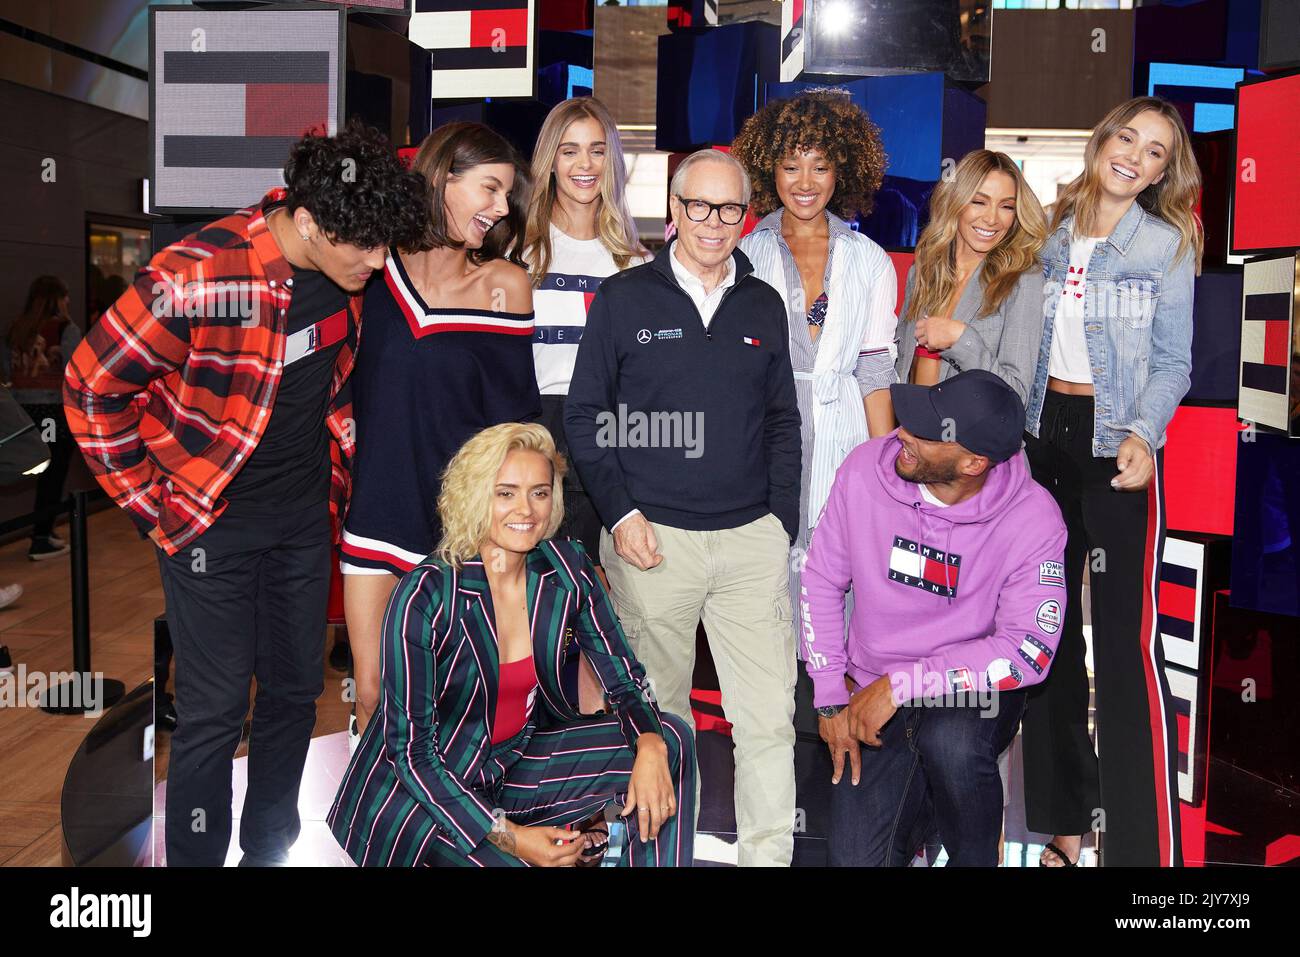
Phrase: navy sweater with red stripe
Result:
[427,379]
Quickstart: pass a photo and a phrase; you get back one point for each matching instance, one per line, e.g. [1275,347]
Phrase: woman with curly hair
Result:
[477,755]
[812,160]
[447,352]
[985,225]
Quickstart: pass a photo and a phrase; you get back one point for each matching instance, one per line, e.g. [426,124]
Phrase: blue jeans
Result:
[936,771]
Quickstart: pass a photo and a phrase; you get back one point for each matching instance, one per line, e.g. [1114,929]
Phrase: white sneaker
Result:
[10,594]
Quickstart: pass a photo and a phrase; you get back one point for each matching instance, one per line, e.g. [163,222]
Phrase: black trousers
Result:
[246,599]
[1131,796]
[580,519]
[49,484]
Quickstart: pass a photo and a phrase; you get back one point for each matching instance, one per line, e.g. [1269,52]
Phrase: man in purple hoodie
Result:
[955,558]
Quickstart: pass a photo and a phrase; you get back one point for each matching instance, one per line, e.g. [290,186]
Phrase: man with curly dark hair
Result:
[210,401]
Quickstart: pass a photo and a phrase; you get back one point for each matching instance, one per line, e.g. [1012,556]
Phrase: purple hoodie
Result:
[965,598]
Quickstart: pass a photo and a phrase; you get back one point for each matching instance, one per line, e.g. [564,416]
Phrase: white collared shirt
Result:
[693,286]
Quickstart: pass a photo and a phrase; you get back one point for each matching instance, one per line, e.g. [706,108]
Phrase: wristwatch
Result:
[831,710]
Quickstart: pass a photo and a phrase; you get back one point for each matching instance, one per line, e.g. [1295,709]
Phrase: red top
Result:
[924,353]
[514,691]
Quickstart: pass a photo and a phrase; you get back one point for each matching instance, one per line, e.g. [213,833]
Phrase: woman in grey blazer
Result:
[974,295]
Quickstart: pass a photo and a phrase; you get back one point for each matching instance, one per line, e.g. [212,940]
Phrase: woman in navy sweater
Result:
[446,351]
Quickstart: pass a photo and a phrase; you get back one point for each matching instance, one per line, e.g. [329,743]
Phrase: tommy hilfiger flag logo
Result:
[921,566]
[959,680]
[479,48]
[1268,292]
[750,342]
[232,92]
[1036,654]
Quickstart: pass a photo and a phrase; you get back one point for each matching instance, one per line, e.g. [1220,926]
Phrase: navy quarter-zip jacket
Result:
[698,428]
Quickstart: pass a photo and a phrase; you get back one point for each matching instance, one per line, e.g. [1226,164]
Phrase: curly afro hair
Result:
[356,188]
[825,120]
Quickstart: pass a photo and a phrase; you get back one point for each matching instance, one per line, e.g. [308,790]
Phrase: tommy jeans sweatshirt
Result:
[964,598]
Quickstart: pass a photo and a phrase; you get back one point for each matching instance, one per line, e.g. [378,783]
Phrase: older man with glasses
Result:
[683,424]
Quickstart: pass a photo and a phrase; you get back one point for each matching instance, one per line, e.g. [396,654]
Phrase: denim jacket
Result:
[1137,326]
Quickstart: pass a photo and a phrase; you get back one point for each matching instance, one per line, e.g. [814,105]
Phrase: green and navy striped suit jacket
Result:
[422,769]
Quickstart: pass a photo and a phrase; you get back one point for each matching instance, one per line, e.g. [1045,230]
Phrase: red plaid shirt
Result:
[170,392]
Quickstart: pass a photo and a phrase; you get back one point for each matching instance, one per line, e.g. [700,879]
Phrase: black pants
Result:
[580,519]
[1131,795]
[247,598]
[49,484]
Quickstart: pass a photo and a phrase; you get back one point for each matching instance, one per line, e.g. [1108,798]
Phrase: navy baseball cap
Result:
[975,408]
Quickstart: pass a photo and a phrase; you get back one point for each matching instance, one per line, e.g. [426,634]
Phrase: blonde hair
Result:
[615,225]
[465,502]
[936,252]
[1173,199]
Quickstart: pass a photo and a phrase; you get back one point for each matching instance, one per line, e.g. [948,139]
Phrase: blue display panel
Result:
[1210,90]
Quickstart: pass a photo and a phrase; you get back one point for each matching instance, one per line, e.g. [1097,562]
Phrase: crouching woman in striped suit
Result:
[475,756]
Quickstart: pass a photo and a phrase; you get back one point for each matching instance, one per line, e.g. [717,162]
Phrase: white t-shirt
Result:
[560,306]
[931,497]
[1069,356]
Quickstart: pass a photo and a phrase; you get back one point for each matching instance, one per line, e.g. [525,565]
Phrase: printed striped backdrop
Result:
[792,45]
[480,48]
[1268,302]
[232,91]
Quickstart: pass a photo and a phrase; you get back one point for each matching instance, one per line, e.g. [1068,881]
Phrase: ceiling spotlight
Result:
[835,18]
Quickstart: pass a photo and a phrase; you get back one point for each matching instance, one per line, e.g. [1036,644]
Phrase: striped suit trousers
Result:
[563,774]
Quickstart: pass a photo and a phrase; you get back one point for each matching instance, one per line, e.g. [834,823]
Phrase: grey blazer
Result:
[1004,343]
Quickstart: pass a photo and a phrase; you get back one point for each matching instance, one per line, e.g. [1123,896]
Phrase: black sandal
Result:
[591,856]
[1061,855]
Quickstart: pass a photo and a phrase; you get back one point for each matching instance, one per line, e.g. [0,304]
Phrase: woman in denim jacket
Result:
[1115,360]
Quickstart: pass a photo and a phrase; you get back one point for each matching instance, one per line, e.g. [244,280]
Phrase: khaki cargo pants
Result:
[737,581]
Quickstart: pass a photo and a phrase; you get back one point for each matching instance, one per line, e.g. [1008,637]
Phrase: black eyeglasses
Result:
[698,211]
